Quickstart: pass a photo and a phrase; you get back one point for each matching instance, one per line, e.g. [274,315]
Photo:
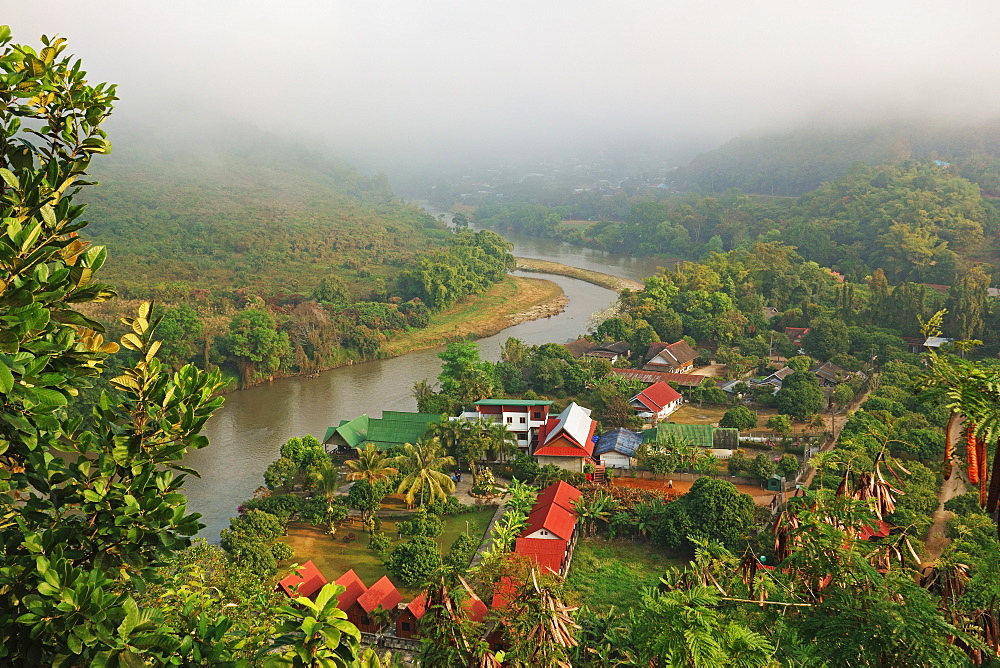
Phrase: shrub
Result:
[423,523]
[461,552]
[763,466]
[380,544]
[284,506]
[414,562]
[524,468]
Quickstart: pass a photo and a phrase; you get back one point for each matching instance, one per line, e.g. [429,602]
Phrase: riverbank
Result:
[510,302]
[609,281]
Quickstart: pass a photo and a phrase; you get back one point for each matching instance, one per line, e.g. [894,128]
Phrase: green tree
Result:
[256,344]
[325,479]
[314,634]
[332,289]
[464,375]
[718,511]
[739,417]
[415,561]
[421,466]
[781,424]
[826,338]
[179,330]
[763,467]
[800,395]
[91,508]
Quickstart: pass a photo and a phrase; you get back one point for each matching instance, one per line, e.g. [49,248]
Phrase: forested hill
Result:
[244,210]
[795,163]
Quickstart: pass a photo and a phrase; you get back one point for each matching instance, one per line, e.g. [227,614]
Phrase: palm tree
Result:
[372,465]
[326,479]
[502,440]
[449,432]
[597,507]
[423,463]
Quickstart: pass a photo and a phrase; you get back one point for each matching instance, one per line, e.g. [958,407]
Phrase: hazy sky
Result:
[415,79]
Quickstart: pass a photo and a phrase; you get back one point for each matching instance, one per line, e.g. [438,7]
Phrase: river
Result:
[247,432]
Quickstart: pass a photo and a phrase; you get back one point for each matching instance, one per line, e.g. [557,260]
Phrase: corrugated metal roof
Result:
[513,402]
[355,588]
[382,593]
[352,432]
[396,428]
[305,581]
[622,440]
[560,493]
[696,434]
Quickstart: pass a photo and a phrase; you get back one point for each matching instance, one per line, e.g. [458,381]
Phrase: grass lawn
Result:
[605,574]
[334,557]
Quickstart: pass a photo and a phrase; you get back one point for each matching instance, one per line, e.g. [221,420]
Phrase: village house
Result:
[522,417]
[656,402]
[305,581]
[393,429]
[650,377]
[617,448]
[796,334]
[382,595]
[348,599]
[830,374]
[410,614]
[567,441]
[610,351]
[675,357]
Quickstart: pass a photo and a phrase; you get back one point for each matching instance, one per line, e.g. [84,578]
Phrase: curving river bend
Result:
[247,432]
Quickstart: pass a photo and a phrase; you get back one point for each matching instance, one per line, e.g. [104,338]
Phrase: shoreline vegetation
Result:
[609,281]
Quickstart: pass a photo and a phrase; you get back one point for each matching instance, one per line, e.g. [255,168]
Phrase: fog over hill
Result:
[403,86]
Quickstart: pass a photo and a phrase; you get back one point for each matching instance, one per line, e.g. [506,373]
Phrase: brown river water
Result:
[247,432]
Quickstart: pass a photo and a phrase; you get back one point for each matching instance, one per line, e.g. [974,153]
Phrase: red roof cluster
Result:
[354,588]
[305,581]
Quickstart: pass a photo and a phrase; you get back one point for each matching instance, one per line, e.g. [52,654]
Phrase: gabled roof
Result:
[560,494]
[354,588]
[353,432]
[504,591]
[513,402]
[418,606]
[397,428]
[546,553]
[555,519]
[656,396]
[561,442]
[622,440]
[305,581]
[382,593]
[795,334]
[678,352]
[830,372]
[616,347]
[579,347]
[683,379]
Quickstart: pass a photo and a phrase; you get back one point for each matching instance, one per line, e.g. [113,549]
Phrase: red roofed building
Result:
[650,377]
[548,554]
[411,613]
[561,494]
[795,334]
[551,523]
[677,357]
[383,595]
[348,600]
[657,401]
[567,440]
[305,581]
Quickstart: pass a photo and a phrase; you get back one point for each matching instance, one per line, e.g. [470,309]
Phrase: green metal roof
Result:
[696,434]
[393,428]
[351,433]
[702,435]
[513,402]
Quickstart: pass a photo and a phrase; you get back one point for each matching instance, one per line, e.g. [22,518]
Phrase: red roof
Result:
[382,593]
[355,588]
[561,494]
[504,592]
[657,395]
[546,553]
[306,578]
[473,605]
[568,446]
[795,334]
[418,606]
[555,519]
[880,531]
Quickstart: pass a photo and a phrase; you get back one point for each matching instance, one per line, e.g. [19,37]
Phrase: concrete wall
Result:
[574,464]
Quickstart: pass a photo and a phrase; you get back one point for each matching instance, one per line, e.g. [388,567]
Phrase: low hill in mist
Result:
[794,163]
[242,209]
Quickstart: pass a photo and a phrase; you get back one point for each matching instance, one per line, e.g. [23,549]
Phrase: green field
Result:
[334,556]
[605,574]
